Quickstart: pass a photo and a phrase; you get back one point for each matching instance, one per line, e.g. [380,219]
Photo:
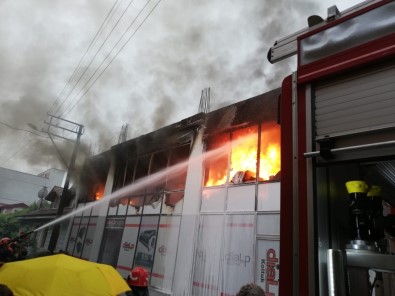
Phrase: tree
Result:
[9,225]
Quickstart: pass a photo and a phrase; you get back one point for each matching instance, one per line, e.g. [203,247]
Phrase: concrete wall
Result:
[17,187]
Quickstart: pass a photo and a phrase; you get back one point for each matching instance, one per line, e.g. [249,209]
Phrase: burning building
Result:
[196,203]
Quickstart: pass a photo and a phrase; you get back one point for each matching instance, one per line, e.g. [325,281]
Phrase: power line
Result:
[19,151]
[71,107]
[94,40]
[21,129]
[97,52]
[109,53]
[77,101]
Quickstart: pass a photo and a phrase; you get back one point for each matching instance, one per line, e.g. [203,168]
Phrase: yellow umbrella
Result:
[61,275]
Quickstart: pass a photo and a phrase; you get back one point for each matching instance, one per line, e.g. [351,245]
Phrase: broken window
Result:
[216,161]
[135,204]
[178,172]
[158,166]
[270,155]
[129,171]
[244,161]
[141,172]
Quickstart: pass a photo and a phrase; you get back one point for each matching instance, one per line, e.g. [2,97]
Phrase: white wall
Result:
[17,187]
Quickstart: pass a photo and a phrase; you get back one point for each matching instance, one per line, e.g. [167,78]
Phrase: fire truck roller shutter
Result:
[354,104]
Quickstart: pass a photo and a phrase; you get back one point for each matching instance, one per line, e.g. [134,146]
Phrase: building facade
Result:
[196,203]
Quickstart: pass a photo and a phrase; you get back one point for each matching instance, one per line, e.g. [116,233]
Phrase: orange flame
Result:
[99,192]
[270,156]
[244,157]
[244,154]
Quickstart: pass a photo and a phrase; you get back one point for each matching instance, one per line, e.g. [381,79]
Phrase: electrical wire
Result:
[67,111]
[71,107]
[21,129]
[22,148]
[97,52]
[95,38]
[18,152]
[108,54]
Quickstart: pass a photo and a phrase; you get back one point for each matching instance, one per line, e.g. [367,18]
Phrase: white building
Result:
[20,187]
[196,203]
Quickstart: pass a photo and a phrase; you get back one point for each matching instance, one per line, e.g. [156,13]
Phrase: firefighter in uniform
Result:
[6,250]
[138,282]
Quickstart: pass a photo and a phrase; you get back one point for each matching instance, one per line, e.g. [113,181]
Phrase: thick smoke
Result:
[184,47]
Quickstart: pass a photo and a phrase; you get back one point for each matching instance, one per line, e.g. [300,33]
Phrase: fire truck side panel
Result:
[286,205]
[295,223]
[345,101]
[304,249]
[333,47]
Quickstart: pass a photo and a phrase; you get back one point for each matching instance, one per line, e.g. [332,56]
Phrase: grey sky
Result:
[157,78]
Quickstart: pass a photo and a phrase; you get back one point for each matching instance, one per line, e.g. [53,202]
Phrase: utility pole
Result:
[65,198]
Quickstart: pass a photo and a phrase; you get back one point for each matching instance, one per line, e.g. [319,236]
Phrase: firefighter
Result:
[6,250]
[138,282]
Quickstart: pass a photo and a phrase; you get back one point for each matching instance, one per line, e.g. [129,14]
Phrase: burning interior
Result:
[149,158]
[245,155]
[247,150]
[93,178]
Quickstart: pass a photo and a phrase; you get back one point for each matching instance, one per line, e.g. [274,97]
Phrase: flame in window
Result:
[98,192]
[243,161]
[270,156]
[243,157]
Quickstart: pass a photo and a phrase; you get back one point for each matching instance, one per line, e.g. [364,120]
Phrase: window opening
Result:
[270,154]
[243,161]
[216,166]
[177,178]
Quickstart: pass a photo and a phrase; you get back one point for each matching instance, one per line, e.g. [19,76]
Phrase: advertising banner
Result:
[238,256]
[90,233]
[128,245]
[146,242]
[207,266]
[268,265]
[166,251]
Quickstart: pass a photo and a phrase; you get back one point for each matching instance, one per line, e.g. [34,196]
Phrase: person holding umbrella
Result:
[138,282]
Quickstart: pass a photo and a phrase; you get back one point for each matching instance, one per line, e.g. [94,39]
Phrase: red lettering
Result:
[271,271]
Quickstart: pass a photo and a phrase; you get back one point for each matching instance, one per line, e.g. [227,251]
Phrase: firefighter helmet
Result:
[138,277]
[4,241]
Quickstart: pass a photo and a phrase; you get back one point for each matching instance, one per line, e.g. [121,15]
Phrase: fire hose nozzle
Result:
[21,236]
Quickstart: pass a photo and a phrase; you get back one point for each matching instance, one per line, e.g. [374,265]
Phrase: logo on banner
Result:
[237,259]
[127,246]
[201,255]
[269,268]
[162,250]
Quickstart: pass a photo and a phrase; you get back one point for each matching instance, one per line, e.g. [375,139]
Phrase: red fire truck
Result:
[338,128]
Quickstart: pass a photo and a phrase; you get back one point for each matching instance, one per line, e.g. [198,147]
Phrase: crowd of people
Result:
[138,279]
